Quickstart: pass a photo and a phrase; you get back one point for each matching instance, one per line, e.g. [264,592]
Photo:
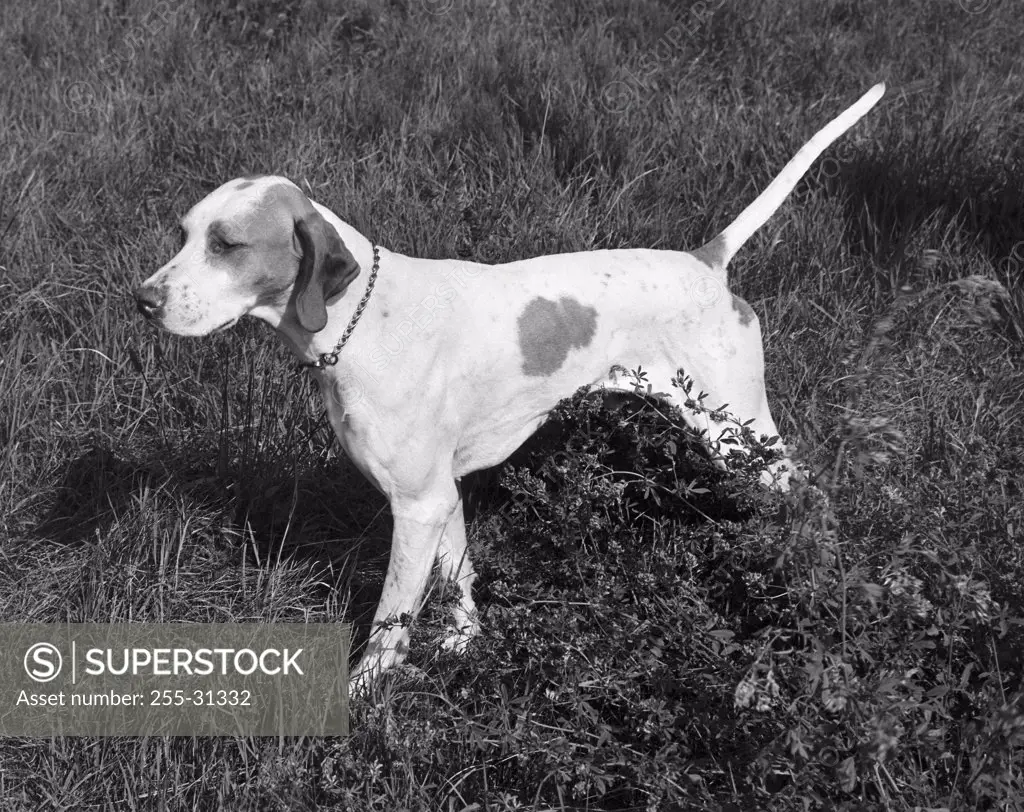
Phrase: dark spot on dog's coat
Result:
[745,311]
[711,253]
[549,330]
[245,184]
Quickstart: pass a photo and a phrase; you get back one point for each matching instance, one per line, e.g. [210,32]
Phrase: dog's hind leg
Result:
[737,383]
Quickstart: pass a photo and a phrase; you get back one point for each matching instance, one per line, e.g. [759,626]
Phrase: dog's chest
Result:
[344,401]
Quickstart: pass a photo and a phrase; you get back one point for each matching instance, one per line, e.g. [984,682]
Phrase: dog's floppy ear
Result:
[325,269]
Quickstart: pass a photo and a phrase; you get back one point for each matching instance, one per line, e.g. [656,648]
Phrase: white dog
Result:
[431,369]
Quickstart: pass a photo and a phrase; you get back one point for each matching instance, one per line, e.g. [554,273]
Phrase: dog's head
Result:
[252,243]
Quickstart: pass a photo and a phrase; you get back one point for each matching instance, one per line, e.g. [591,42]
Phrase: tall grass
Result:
[648,644]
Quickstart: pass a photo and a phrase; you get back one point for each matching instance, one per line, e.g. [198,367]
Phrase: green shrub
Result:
[647,649]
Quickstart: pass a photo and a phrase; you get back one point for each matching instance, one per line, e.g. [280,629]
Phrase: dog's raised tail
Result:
[722,248]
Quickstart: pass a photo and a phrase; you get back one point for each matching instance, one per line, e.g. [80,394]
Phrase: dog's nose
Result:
[150,301]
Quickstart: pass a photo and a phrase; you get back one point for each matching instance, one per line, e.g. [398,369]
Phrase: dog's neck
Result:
[282,317]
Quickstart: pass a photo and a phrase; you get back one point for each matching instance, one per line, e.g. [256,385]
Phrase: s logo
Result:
[43,662]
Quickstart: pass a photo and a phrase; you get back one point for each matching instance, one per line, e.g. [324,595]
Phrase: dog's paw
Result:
[459,638]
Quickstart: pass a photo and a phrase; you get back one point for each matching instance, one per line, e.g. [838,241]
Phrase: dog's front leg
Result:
[419,522]
[453,558]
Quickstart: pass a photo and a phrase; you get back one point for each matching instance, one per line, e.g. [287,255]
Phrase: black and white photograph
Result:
[506,405]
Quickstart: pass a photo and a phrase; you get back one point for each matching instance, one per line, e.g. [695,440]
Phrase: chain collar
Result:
[329,359]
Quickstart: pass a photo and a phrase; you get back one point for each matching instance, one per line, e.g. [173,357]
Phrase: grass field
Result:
[648,643]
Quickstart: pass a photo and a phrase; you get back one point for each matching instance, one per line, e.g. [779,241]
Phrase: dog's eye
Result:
[218,245]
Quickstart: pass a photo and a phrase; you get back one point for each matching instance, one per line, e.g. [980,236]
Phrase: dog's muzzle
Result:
[149,300]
